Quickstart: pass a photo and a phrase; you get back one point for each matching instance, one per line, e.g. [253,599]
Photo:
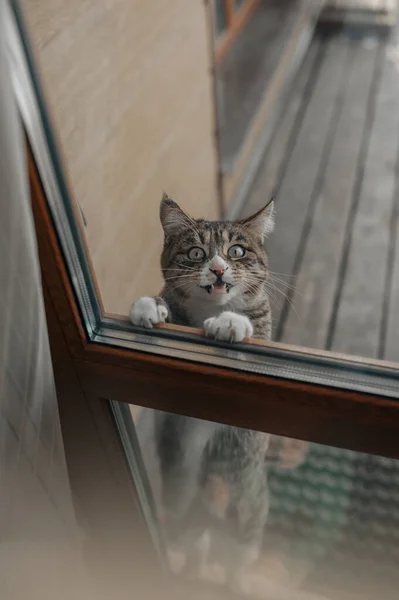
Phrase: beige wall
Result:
[129,86]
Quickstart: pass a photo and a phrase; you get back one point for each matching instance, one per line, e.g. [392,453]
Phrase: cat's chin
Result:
[218,289]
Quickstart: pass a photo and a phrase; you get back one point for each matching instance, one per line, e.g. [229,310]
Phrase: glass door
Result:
[234,331]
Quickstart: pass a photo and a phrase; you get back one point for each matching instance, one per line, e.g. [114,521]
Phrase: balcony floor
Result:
[332,165]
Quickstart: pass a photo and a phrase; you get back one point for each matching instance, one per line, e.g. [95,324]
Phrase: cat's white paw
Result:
[229,327]
[145,312]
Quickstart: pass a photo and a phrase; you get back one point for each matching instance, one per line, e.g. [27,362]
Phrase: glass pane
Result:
[309,116]
[271,516]
[220,16]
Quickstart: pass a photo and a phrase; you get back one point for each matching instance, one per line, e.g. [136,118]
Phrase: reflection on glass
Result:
[136,117]
[269,516]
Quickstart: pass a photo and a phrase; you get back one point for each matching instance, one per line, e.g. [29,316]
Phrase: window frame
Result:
[337,417]
[117,545]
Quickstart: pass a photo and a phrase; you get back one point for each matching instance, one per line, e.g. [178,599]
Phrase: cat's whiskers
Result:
[292,290]
[252,290]
[250,286]
[286,296]
[253,286]
[283,274]
[255,279]
[179,270]
[283,283]
[182,274]
[272,277]
[271,285]
[281,280]
[183,277]
[183,284]
[255,289]
[292,305]
[272,296]
[185,266]
[270,288]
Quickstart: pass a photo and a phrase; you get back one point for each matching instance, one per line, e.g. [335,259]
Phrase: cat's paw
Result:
[229,327]
[146,312]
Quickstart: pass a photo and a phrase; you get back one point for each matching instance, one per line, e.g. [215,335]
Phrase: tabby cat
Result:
[214,478]
[215,275]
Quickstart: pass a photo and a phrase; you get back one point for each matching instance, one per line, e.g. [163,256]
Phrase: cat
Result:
[215,274]
[214,478]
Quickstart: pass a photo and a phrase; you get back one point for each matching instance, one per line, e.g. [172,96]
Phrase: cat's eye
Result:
[196,254]
[236,251]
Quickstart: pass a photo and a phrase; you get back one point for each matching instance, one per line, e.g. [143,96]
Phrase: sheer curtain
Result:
[40,544]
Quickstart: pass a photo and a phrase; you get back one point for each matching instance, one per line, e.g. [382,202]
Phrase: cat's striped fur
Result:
[187,301]
[229,275]
[213,477]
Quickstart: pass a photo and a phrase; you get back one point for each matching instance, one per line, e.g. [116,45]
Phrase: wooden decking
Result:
[333,166]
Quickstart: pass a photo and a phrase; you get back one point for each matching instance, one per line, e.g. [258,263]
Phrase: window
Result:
[314,516]
[121,144]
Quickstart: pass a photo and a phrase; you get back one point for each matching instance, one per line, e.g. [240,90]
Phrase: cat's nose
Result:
[218,266]
[218,272]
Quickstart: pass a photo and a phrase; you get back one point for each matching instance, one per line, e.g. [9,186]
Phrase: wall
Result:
[129,86]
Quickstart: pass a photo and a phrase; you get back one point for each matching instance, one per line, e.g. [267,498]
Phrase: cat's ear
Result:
[262,222]
[173,218]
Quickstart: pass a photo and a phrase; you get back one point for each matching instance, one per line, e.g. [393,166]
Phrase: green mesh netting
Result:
[338,503]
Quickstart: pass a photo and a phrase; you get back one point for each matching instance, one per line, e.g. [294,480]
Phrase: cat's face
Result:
[215,261]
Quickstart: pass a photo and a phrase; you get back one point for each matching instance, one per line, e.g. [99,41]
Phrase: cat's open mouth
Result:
[219,287]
